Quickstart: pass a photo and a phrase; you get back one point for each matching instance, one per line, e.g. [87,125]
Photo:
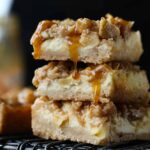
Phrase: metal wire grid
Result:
[33,143]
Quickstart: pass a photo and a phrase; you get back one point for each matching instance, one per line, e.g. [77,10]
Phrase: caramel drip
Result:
[36,45]
[96,81]
[37,39]
[73,51]
[96,85]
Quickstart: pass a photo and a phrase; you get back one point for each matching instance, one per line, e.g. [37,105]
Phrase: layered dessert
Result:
[120,82]
[88,122]
[90,41]
[90,90]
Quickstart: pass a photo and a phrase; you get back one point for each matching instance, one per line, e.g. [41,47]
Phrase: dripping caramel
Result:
[96,80]
[73,51]
[37,39]
[96,85]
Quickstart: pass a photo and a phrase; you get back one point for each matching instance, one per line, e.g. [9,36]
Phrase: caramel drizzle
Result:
[96,81]
[96,85]
[37,39]
[73,51]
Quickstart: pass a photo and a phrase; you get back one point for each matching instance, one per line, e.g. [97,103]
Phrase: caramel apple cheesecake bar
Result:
[120,82]
[90,41]
[15,111]
[90,91]
[88,122]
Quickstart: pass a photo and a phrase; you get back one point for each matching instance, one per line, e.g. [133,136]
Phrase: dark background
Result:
[31,12]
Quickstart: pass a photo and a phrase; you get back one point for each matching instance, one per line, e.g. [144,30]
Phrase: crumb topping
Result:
[107,27]
[79,32]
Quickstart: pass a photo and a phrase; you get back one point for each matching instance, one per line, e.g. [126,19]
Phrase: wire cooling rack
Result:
[28,142]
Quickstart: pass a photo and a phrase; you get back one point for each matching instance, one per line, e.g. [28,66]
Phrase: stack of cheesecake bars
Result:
[90,91]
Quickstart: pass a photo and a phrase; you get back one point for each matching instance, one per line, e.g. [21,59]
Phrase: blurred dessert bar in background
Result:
[15,111]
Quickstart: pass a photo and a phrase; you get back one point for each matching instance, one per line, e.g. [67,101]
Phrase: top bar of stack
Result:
[88,41]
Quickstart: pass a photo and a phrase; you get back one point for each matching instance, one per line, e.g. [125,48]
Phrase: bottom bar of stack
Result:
[88,122]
